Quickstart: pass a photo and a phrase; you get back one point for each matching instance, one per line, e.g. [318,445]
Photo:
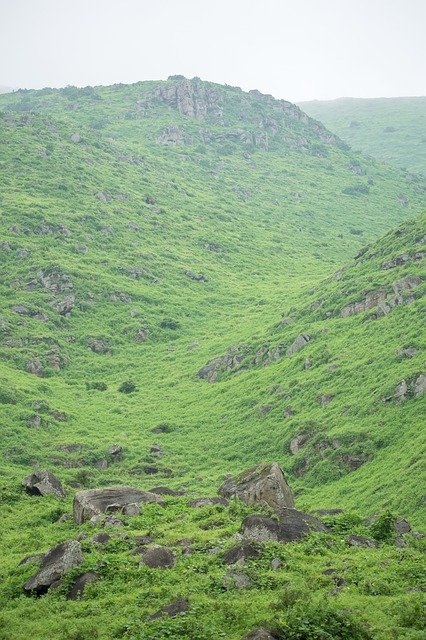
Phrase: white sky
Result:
[293,49]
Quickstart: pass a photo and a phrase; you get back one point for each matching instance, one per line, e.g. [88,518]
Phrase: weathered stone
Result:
[208,502]
[98,345]
[94,502]
[231,360]
[260,634]
[325,399]
[402,526]
[156,450]
[420,385]
[408,352]
[361,541]
[288,412]
[55,563]
[260,529]
[43,483]
[264,484]
[235,579]
[198,277]
[241,552]
[401,390]
[34,421]
[64,306]
[301,340]
[35,367]
[173,609]
[166,491]
[406,284]
[77,588]
[116,452]
[297,442]
[158,557]
[76,138]
[101,464]
[276,564]
[371,300]
[101,538]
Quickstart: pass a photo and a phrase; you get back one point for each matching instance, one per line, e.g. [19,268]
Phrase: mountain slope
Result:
[389,129]
[148,231]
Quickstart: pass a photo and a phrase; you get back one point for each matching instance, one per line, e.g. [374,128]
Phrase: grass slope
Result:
[389,129]
[99,214]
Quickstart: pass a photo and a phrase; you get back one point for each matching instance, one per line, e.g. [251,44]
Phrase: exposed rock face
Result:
[207,502]
[191,98]
[420,385]
[55,280]
[371,300]
[267,355]
[260,634]
[172,609]
[198,277]
[56,562]
[94,502]
[406,284]
[43,483]
[158,557]
[35,367]
[264,484]
[79,585]
[116,452]
[409,352]
[231,360]
[64,306]
[402,259]
[300,342]
[404,389]
[241,552]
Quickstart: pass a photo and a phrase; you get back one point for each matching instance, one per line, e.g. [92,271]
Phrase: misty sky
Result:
[297,49]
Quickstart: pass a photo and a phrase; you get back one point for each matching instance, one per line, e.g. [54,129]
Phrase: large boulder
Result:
[93,502]
[158,557]
[264,484]
[55,563]
[77,588]
[43,483]
[292,525]
[301,340]
[241,552]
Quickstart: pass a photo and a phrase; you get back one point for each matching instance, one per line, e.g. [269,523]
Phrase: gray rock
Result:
[409,352]
[276,564]
[420,385]
[76,138]
[35,367]
[207,502]
[94,502]
[158,557]
[297,442]
[55,563]
[264,484]
[301,340]
[116,453]
[231,360]
[156,450]
[402,526]
[236,579]
[260,634]
[241,552]
[77,588]
[406,284]
[171,610]
[43,483]
[325,399]
[260,529]
[101,538]
[361,541]
[166,491]
[65,305]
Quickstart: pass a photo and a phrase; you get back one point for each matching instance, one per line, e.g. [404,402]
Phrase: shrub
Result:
[127,387]
[99,386]
[309,621]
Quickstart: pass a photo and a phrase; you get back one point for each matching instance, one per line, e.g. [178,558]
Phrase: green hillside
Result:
[163,246]
[389,129]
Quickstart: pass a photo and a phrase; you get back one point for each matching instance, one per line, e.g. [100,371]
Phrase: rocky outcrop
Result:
[264,484]
[55,563]
[267,355]
[171,136]
[192,98]
[197,277]
[235,579]
[299,342]
[416,386]
[371,300]
[43,483]
[382,300]
[361,541]
[297,442]
[402,259]
[231,360]
[94,502]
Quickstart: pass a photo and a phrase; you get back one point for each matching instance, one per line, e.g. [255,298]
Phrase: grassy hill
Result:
[389,129]
[151,230]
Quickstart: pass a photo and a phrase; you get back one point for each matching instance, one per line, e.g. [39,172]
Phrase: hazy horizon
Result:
[321,50]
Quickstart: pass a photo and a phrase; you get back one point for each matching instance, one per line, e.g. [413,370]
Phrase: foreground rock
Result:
[158,557]
[55,563]
[79,585]
[94,502]
[43,483]
[292,525]
[207,502]
[263,485]
[173,609]
[241,552]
